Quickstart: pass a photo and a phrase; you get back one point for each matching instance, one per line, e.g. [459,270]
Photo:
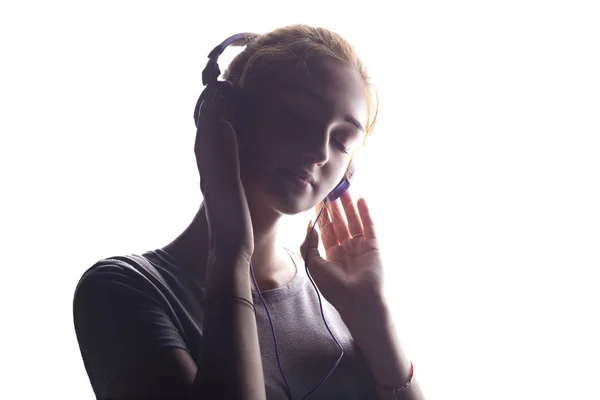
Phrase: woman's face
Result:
[302,124]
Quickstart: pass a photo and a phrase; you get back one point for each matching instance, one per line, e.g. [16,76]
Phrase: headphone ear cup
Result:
[342,186]
[230,92]
[338,190]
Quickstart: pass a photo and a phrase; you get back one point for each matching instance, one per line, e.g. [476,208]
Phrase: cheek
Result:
[267,140]
[259,154]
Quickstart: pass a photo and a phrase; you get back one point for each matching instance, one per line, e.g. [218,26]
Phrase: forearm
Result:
[374,333]
[230,366]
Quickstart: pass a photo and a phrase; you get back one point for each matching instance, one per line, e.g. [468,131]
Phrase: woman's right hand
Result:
[216,149]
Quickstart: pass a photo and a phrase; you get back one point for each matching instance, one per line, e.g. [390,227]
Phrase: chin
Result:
[292,207]
[283,196]
[289,202]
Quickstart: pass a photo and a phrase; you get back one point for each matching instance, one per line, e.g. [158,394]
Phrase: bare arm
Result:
[231,366]
[374,333]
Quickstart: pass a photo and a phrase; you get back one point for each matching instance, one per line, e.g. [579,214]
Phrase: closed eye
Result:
[343,148]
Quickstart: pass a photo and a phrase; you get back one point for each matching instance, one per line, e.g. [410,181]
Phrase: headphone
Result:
[211,74]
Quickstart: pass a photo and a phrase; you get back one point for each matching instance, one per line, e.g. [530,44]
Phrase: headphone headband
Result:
[212,71]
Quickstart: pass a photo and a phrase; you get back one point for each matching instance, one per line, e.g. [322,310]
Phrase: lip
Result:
[301,174]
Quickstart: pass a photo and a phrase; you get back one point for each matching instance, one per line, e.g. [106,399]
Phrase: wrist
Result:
[366,307]
[374,333]
[232,254]
[388,391]
[227,275]
[227,302]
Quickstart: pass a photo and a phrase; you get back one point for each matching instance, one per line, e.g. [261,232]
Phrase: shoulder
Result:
[121,273]
[125,328]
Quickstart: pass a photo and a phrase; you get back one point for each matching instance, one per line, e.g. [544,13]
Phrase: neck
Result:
[271,264]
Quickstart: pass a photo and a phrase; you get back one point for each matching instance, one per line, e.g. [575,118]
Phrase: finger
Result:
[312,257]
[219,101]
[326,227]
[354,222]
[211,109]
[209,97]
[201,111]
[310,246]
[216,94]
[206,116]
[339,222]
[367,220]
[211,89]
[214,147]
[228,141]
[204,126]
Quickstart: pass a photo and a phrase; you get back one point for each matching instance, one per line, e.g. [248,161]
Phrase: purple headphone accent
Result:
[211,74]
[342,186]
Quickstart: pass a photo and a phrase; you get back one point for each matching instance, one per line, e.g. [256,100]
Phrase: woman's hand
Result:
[352,273]
[216,149]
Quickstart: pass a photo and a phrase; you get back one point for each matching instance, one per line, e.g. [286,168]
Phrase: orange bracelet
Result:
[396,390]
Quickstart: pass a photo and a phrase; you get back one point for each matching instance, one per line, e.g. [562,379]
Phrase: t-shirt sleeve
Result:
[120,318]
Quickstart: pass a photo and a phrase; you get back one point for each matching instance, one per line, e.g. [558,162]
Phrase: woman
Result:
[226,312]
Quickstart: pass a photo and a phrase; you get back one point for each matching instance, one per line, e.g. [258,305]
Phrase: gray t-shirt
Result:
[127,306]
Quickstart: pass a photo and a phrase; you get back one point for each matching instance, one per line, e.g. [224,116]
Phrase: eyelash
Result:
[341,147]
[303,122]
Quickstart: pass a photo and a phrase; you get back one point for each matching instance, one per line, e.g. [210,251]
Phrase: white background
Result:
[483,174]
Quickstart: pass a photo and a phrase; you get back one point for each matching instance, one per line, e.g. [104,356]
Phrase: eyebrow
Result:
[354,121]
[317,96]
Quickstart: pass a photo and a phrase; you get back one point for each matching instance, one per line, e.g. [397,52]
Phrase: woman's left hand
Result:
[352,273]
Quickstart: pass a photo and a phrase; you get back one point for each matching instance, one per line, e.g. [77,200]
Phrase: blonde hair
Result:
[299,43]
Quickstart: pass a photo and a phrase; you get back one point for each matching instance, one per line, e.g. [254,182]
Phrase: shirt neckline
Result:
[270,295]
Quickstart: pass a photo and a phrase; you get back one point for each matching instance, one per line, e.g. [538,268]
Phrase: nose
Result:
[316,146]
